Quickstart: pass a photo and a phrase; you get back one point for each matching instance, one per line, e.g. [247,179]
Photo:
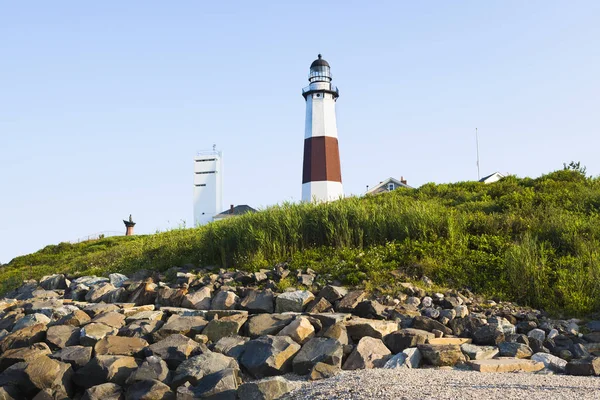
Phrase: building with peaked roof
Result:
[388,185]
[495,177]
[234,211]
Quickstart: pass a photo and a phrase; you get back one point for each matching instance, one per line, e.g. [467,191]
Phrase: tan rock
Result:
[120,346]
[113,319]
[137,309]
[300,330]
[506,365]
[199,300]
[443,340]
[93,332]
[61,336]
[223,327]
[361,327]
[23,337]
[369,353]
[76,318]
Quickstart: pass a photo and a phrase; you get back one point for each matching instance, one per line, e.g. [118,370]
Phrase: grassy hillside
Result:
[534,241]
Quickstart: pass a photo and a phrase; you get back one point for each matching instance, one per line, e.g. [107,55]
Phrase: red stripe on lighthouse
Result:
[321,160]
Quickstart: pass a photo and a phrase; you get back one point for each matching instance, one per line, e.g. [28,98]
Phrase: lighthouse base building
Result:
[321,172]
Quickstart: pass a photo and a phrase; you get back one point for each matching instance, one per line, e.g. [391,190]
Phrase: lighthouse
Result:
[321,172]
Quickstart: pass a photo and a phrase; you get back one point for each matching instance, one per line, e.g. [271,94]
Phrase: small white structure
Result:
[208,186]
[321,173]
[388,185]
[495,177]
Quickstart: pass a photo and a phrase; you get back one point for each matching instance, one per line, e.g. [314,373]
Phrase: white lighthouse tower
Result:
[321,173]
[208,186]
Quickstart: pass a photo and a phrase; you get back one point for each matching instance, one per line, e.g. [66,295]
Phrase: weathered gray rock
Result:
[199,300]
[370,309]
[120,346]
[195,368]
[440,355]
[319,349]
[258,301]
[152,368]
[266,389]
[23,337]
[149,390]
[117,280]
[174,349]
[170,297]
[61,336]
[232,346]
[405,338]
[474,352]
[488,335]
[188,326]
[221,385]
[428,324]
[369,353]
[100,308]
[361,327]
[349,301]
[323,371]
[585,367]
[408,358]
[46,373]
[223,327]
[338,332]
[333,293]
[551,362]
[537,334]
[23,354]
[92,332]
[300,330]
[144,294]
[225,300]
[269,356]
[293,301]
[77,356]
[267,324]
[105,391]
[141,329]
[53,282]
[98,291]
[112,318]
[516,350]
[102,369]
[29,320]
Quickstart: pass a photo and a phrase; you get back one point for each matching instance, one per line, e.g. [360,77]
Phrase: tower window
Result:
[201,184]
[318,94]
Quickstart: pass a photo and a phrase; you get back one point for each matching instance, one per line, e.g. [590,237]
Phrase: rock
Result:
[98,291]
[323,371]
[61,336]
[145,315]
[174,349]
[188,326]
[166,296]
[10,393]
[120,346]
[153,368]
[117,280]
[258,301]
[551,362]
[23,337]
[300,330]
[506,365]
[267,324]
[143,294]
[199,300]
[369,353]
[53,282]
[105,391]
[516,350]
[350,300]
[537,334]
[265,389]
[474,352]
[337,331]
[102,369]
[461,311]
[466,327]
[448,340]
[92,332]
[96,309]
[432,313]
[29,320]
[428,324]
[440,355]
[232,346]
[588,367]
[46,373]
[361,327]
[488,335]
[553,333]
[293,301]
[333,293]
[23,354]
[369,309]
[409,358]
[224,300]
[223,327]
[76,318]
[220,385]
[319,349]
[195,368]
[112,319]
[269,356]
[149,390]
[405,338]
[76,356]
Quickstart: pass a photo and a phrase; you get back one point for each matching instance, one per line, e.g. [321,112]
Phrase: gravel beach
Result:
[413,384]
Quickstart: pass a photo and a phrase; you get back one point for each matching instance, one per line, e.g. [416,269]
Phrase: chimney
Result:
[231,209]
[129,226]
[402,180]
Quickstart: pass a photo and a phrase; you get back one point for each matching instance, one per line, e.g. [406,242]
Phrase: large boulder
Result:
[112,318]
[516,350]
[300,330]
[266,389]
[120,346]
[77,356]
[195,368]
[361,327]
[174,349]
[293,301]
[333,293]
[488,335]
[104,391]
[223,327]
[232,346]
[323,371]
[46,373]
[166,296]
[405,338]
[23,337]
[369,353]
[440,355]
[267,324]
[92,332]
[428,324]
[29,320]
[551,362]
[23,354]
[61,336]
[98,291]
[409,358]
[319,349]
[152,368]
[189,326]
[349,301]
[338,332]
[144,294]
[76,318]
[584,367]
[258,301]
[269,356]
[149,390]
[474,352]
[369,309]
[199,300]
[102,369]
[225,300]
[53,282]
[221,385]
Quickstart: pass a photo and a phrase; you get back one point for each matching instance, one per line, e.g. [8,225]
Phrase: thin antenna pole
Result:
[477,144]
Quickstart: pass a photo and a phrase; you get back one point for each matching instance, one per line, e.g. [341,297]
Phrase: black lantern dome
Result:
[319,71]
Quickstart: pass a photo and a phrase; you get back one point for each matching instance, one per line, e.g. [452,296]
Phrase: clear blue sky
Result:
[104,104]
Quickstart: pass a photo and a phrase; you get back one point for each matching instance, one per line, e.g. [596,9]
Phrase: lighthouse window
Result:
[318,94]
[206,172]
[201,184]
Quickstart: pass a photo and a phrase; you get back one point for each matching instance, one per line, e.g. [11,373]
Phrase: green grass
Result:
[534,241]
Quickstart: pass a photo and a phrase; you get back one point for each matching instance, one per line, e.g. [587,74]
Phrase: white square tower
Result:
[208,186]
